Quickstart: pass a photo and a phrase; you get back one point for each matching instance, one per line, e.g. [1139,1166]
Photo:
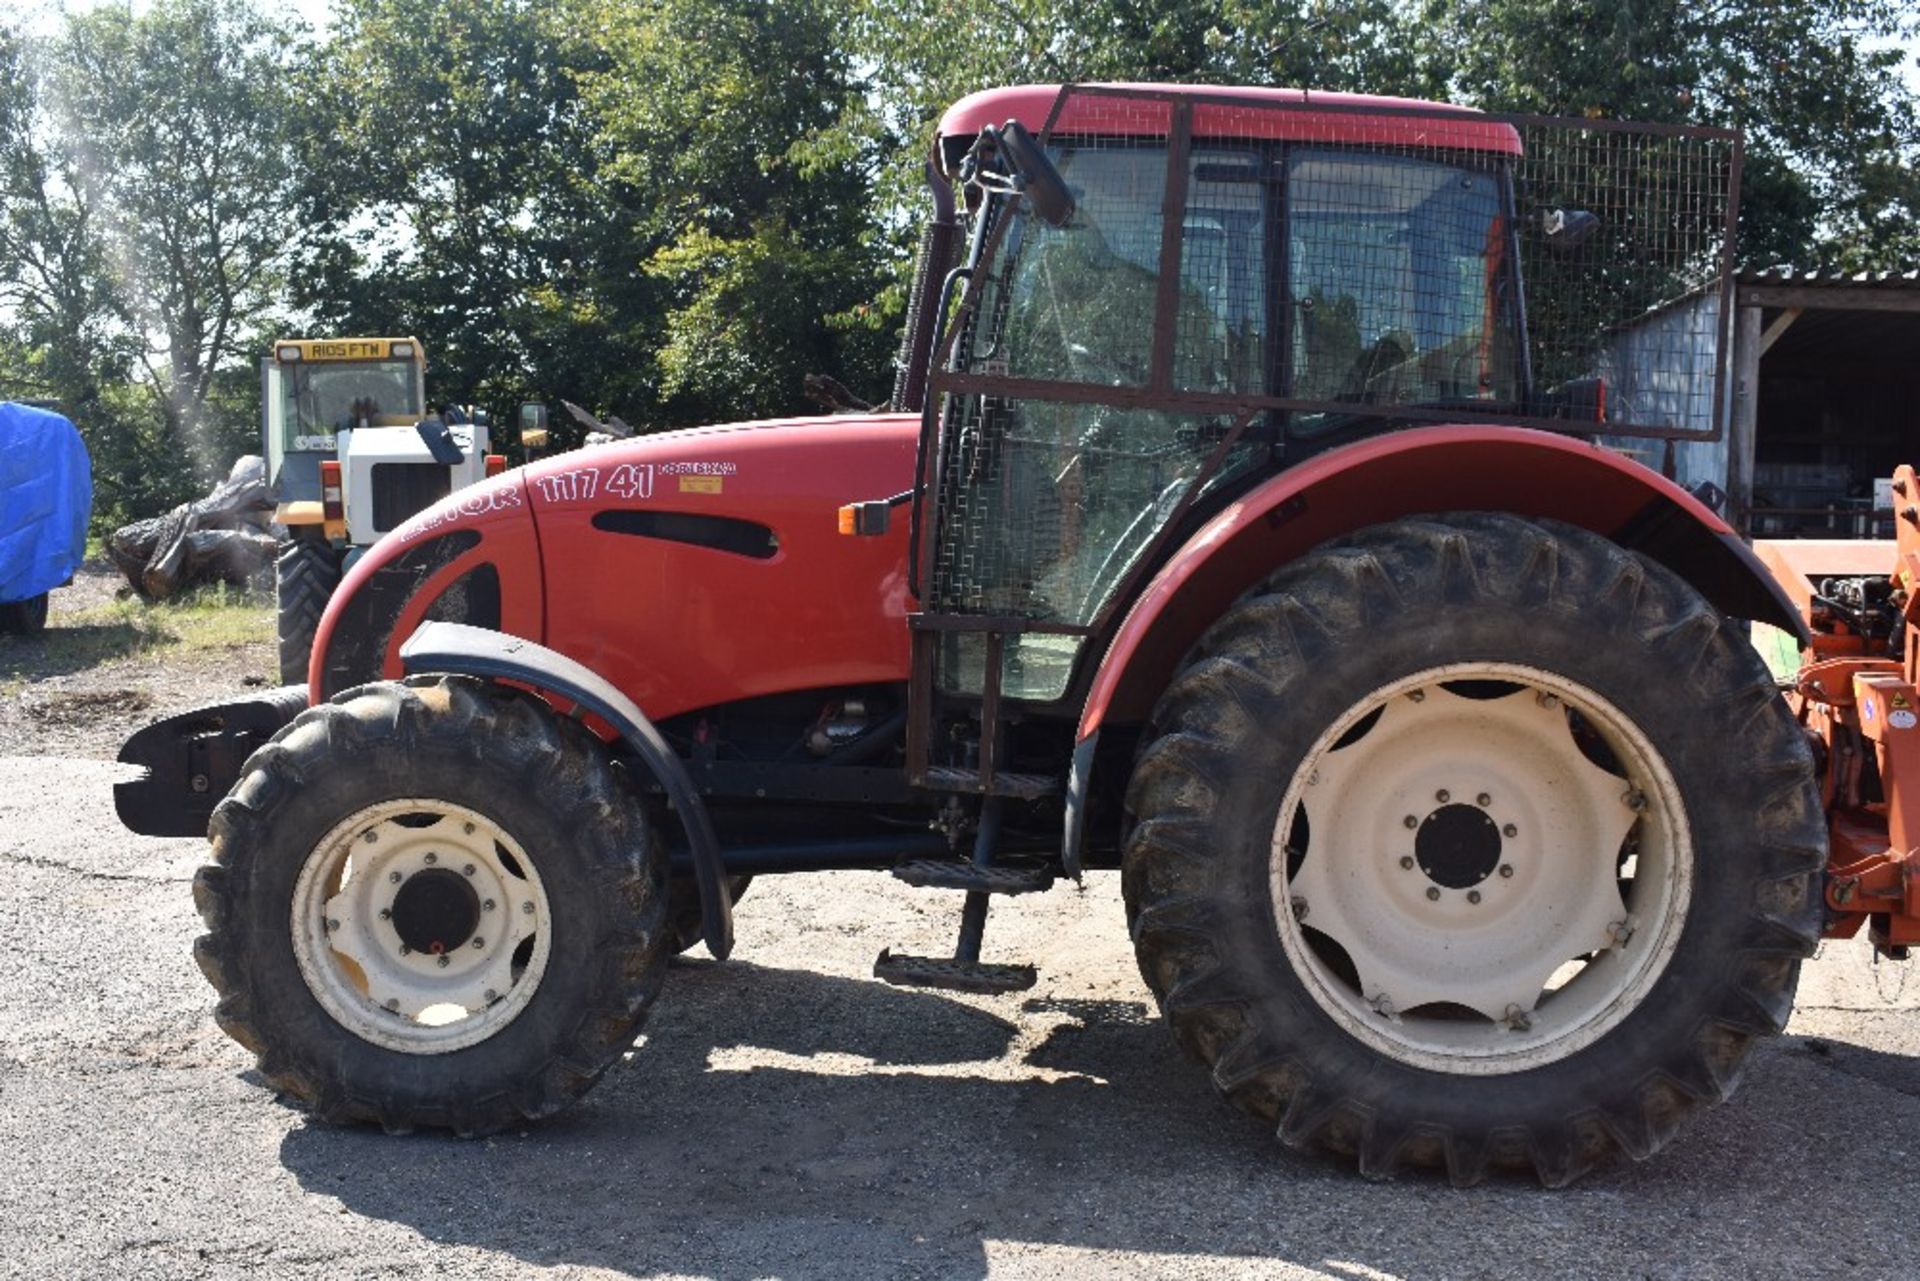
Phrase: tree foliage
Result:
[673,209]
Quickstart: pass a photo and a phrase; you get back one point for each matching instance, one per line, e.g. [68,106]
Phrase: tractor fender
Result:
[1388,477]
[477,651]
[1406,473]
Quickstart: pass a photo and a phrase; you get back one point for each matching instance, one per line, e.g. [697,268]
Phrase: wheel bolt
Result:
[1548,700]
[1433,892]
[467,870]
[433,858]
[394,877]
[1510,831]
[405,950]
[1473,896]
[1443,796]
[1411,822]
[371,837]
[527,908]
[1483,800]
[467,828]
[478,941]
[1417,696]
[393,1003]
[443,962]
[1506,869]
[487,906]
[1406,861]
[491,996]
[386,914]
[1635,800]
[332,925]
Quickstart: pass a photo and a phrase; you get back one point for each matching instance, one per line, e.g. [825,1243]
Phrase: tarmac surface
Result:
[786,1115]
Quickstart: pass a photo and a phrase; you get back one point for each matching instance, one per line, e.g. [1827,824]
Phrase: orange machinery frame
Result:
[1857,698]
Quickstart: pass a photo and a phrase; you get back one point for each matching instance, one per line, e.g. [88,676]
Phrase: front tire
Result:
[305,574]
[1473,841]
[24,617]
[432,904]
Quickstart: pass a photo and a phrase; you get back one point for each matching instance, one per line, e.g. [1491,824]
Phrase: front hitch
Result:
[193,759]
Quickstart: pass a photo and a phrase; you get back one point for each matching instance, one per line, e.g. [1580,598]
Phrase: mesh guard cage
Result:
[1243,274]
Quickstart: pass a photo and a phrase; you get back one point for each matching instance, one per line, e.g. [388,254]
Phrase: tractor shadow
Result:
[778,1122]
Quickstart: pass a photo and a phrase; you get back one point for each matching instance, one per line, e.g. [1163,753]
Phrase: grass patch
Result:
[210,619]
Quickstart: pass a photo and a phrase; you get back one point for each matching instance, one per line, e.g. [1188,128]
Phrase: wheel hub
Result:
[1479,861]
[1457,846]
[436,911]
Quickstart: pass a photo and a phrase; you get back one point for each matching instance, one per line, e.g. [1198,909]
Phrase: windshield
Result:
[320,399]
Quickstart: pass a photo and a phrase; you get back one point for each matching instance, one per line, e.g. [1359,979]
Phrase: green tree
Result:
[175,121]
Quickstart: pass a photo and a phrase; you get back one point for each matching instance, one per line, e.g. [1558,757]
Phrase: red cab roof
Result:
[1224,111]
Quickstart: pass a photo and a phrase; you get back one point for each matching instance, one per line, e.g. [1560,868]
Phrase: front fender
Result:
[1406,473]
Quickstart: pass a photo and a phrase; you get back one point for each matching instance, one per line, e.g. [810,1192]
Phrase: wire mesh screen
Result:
[1322,270]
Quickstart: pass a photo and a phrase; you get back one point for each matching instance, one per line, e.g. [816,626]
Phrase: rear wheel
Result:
[304,575]
[24,617]
[1473,841]
[432,904]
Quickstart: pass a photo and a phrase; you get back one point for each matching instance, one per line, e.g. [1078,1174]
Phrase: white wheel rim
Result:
[1502,899]
[354,913]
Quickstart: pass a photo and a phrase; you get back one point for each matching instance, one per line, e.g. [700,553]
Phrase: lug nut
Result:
[1433,893]
[1473,896]
[432,857]
[1406,861]
[393,1003]
[405,950]
[332,925]
[1517,1019]
[1506,869]
[467,828]
[467,870]
[1299,908]
[1417,696]
[394,877]
[1411,821]
[1509,831]
[491,996]
[527,908]
[478,941]
[1547,700]
[487,906]
[1483,800]
[371,837]
[386,914]
[443,962]
[1443,796]
[1635,800]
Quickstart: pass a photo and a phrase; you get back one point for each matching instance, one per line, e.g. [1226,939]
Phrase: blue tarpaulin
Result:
[46,498]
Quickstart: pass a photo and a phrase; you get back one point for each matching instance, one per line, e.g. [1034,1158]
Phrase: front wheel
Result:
[305,573]
[1473,841]
[433,904]
[24,617]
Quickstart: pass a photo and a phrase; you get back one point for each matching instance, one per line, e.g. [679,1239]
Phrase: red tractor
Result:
[1242,528]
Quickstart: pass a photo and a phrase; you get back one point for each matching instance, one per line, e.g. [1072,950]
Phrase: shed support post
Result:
[1744,418]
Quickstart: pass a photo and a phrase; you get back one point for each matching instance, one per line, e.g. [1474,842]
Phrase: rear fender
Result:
[1407,473]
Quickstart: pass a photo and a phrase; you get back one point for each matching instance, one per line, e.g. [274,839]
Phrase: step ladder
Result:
[981,878]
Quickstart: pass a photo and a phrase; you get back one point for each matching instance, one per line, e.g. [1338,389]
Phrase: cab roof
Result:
[1227,111]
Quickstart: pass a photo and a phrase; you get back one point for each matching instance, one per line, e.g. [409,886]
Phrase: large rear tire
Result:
[1473,841]
[432,904]
[305,574]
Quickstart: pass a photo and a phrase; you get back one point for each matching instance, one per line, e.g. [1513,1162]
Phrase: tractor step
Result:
[952,975]
[1024,787]
[999,878]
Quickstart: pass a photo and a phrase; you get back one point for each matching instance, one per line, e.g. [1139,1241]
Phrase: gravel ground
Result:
[785,1115]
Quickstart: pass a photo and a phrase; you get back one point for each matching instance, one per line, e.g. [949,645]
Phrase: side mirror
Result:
[1046,191]
[533,425]
[1568,229]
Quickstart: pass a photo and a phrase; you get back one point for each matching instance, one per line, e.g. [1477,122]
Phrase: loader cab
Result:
[315,391]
